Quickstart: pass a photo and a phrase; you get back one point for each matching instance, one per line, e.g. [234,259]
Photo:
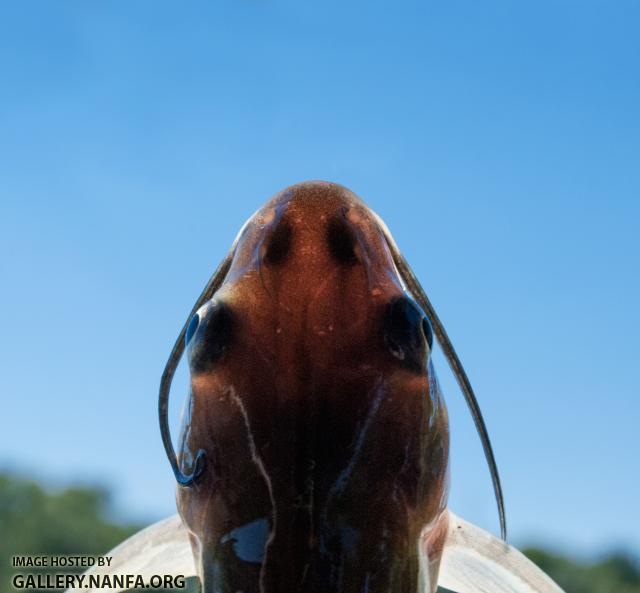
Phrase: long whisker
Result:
[414,286]
[169,370]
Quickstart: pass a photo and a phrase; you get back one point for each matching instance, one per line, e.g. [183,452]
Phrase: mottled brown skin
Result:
[325,434]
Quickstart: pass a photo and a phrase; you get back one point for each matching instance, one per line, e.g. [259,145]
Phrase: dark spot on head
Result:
[210,337]
[341,241]
[404,333]
[278,244]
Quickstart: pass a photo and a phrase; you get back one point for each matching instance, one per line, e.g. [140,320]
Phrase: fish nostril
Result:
[211,335]
[405,333]
[341,241]
[278,245]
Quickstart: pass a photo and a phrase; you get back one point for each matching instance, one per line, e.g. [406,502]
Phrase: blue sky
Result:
[499,140]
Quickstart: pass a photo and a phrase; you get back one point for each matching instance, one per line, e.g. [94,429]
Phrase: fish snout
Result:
[321,235]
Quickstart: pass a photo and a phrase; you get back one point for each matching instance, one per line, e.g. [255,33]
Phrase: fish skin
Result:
[314,399]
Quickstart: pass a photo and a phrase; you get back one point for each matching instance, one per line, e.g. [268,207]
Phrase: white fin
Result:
[474,561]
[161,549]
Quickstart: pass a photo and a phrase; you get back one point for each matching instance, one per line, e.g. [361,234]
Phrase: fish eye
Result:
[428,332]
[215,328]
[191,328]
[406,334]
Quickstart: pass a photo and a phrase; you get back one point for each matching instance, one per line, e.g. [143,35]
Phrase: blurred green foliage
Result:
[34,522]
[616,573]
[74,521]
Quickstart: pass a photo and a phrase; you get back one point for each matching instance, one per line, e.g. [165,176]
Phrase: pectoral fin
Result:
[161,549]
[474,561]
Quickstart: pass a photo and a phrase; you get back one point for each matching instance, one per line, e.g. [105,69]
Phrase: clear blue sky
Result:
[499,140]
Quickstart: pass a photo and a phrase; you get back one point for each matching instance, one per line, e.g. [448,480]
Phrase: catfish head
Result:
[314,451]
[320,426]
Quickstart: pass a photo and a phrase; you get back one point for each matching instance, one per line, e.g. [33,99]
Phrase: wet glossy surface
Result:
[313,398]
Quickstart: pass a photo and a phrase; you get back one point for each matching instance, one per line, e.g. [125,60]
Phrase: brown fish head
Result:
[317,408]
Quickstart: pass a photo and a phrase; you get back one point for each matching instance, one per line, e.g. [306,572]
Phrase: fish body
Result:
[313,455]
[316,410]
